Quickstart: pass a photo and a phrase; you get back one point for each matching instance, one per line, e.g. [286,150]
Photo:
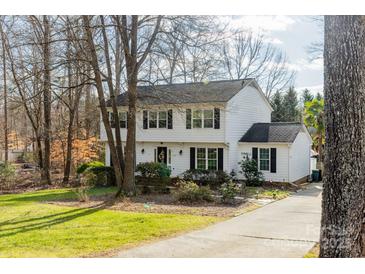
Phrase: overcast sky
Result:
[293,34]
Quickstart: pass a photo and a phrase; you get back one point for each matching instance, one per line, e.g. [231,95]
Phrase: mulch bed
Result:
[161,203]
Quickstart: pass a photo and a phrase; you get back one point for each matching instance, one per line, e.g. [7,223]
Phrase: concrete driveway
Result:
[283,229]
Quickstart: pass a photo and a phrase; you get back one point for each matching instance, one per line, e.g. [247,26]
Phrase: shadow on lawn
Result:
[45,222]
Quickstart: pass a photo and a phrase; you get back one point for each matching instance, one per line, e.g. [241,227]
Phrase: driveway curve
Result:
[282,229]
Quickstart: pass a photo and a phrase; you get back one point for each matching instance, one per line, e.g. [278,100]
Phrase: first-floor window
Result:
[201,158]
[264,159]
[212,159]
[207,158]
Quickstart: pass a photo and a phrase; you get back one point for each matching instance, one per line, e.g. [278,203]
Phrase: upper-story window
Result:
[203,118]
[157,119]
[122,115]
[199,118]
[123,119]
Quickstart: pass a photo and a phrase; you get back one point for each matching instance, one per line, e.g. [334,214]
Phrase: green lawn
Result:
[31,228]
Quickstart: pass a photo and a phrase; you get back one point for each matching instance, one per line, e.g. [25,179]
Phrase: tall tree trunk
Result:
[46,176]
[344,188]
[6,146]
[112,92]
[100,90]
[132,75]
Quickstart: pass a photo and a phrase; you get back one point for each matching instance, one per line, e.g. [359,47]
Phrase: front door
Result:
[162,155]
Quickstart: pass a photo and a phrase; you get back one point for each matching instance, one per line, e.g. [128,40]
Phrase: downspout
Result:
[289,163]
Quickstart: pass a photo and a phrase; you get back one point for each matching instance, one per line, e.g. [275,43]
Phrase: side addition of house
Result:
[214,126]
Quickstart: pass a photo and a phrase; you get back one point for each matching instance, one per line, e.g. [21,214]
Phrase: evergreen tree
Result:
[319,96]
[291,106]
[277,104]
[307,96]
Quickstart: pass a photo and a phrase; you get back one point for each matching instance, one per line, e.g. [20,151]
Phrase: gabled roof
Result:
[276,132]
[201,92]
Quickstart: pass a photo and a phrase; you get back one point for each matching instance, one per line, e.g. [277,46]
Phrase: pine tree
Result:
[307,96]
[291,106]
[319,96]
[277,104]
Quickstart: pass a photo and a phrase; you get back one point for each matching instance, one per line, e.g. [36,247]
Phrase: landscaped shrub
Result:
[254,177]
[7,173]
[229,191]
[153,170]
[212,178]
[97,174]
[190,192]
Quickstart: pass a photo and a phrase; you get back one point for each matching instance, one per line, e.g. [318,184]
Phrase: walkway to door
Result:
[286,228]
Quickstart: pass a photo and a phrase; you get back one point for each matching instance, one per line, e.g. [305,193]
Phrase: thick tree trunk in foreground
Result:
[344,182]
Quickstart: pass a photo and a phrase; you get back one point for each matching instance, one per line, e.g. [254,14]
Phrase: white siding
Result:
[300,157]
[244,109]
[179,163]
[282,154]
[179,133]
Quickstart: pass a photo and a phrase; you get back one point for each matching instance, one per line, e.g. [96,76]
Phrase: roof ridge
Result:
[202,82]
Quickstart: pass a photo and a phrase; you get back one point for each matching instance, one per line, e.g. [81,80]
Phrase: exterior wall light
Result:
[180,152]
[142,150]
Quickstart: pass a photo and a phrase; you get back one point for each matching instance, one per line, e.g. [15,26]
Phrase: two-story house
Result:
[214,125]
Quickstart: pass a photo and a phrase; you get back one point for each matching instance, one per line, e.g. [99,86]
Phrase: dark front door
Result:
[162,155]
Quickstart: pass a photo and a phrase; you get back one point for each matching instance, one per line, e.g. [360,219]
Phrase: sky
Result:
[293,34]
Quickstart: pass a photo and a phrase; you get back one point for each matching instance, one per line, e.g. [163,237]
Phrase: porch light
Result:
[142,151]
[180,152]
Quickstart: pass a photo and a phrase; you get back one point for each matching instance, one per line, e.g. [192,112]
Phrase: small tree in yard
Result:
[253,175]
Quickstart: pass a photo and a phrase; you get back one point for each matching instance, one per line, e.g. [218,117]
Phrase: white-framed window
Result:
[264,159]
[152,119]
[157,119]
[169,157]
[162,119]
[123,119]
[203,118]
[197,118]
[212,159]
[208,118]
[207,158]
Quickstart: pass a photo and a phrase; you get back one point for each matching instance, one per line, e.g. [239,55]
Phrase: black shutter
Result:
[273,160]
[217,118]
[169,119]
[111,119]
[145,119]
[192,158]
[220,158]
[188,118]
[254,155]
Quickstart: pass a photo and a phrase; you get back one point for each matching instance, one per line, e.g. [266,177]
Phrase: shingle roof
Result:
[202,92]
[272,132]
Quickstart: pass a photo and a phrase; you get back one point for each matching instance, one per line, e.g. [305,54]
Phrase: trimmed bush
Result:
[153,170]
[212,178]
[229,191]
[253,175]
[190,192]
[97,174]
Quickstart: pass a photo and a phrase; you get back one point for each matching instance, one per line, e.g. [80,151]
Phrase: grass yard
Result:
[31,228]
